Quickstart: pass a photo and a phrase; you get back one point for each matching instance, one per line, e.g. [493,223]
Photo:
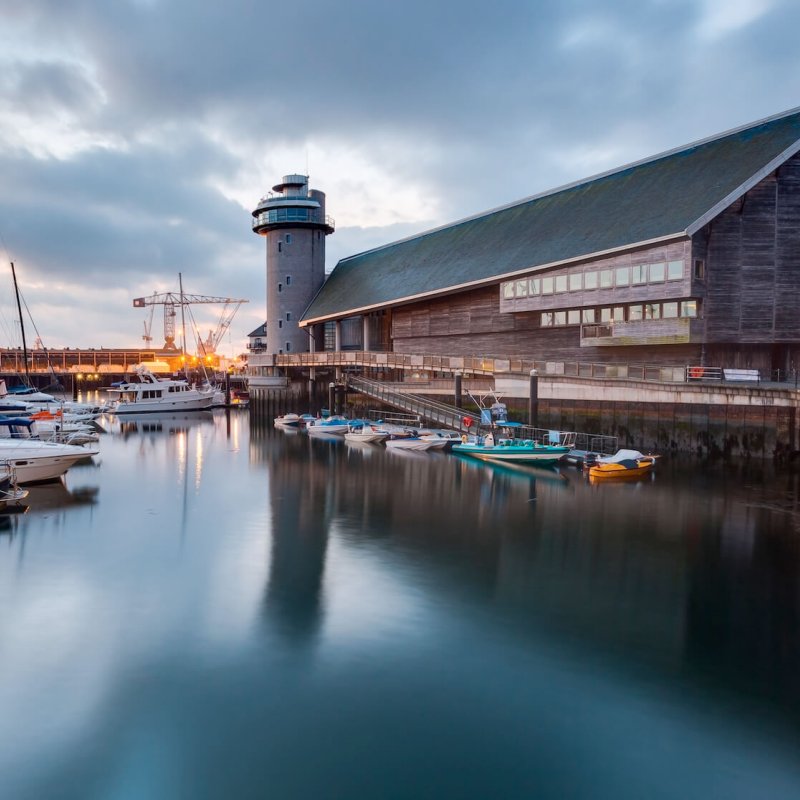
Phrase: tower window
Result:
[699,269]
[280,287]
[288,238]
[280,246]
[288,280]
[288,347]
[288,316]
[318,235]
[280,323]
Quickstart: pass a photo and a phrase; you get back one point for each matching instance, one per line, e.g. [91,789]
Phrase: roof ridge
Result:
[590,179]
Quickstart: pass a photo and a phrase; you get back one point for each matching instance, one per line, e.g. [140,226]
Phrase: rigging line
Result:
[39,337]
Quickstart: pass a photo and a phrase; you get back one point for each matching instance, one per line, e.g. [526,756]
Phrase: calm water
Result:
[214,610]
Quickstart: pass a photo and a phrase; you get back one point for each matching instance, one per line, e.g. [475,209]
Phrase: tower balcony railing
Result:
[290,215]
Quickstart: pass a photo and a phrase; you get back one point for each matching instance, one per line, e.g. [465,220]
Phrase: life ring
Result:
[696,372]
[468,422]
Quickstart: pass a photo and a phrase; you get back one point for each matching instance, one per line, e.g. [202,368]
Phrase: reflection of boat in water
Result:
[161,423]
[537,471]
[623,464]
[51,496]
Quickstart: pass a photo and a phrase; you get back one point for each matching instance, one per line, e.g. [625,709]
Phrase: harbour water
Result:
[216,609]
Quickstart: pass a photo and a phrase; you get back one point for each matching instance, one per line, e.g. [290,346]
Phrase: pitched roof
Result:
[261,330]
[668,195]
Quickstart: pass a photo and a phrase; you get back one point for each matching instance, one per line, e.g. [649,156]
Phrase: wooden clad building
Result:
[688,257]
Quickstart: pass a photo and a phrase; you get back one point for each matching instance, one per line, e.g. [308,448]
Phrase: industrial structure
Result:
[292,220]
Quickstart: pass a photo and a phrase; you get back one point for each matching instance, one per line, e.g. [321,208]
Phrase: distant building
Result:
[257,339]
[292,219]
[688,257]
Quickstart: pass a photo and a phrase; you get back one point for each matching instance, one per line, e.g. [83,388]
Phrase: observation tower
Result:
[292,219]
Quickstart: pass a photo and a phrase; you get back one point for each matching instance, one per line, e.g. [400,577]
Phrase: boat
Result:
[518,451]
[149,393]
[623,464]
[33,460]
[362,431]
[322,427]
[9,489]
[441,439]
[413,443]
[287,421]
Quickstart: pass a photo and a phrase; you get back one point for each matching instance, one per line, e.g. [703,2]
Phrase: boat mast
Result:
[21,327]
[183,329]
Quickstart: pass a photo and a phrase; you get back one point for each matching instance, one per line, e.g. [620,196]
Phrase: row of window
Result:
[288,283]
[618,277]
[686,309]
[288,319]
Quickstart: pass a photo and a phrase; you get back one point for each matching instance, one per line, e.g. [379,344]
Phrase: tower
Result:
[292,219]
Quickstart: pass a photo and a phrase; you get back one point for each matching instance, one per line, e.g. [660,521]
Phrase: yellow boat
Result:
[624,464]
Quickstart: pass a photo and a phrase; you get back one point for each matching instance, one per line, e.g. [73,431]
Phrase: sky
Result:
[137,136]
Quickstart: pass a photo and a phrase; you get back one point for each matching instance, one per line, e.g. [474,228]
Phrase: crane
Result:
[172,299]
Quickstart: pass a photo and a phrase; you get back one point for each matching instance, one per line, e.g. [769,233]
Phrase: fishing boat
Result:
[512,450]
[148,393]
[623,464]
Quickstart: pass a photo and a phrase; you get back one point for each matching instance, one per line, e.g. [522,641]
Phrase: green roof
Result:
[671,194]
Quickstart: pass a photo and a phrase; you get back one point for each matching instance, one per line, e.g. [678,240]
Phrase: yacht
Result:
[147,393]
[33,460]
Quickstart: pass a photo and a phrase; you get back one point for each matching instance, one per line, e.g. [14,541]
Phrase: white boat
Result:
[148,394]
[366,433]
[287,421]
[33,460]
[413,443]
[322,427]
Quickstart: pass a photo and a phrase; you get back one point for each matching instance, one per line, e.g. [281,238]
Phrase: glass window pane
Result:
[575,282]
[547,286]
[589,315]
[574,317]
[605,315]
[534,285]
[656,273]
[652,311]
[670,310]
[634,313]
[639,274]
[623,276]
[561,283]
[560,318]
[618,313]
[522,289]
[508,290]
[589,280]
[689,308]
[606,278]
[547,319]
[674,270]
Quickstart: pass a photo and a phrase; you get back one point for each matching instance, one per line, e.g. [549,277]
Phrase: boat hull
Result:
[201,403]
[618,471]
[512,454]
[47,463]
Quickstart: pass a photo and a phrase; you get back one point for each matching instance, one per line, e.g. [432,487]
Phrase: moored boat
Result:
[336,425]
[148,394]
[415,443]
[512,450]
[623,464]
[33,460]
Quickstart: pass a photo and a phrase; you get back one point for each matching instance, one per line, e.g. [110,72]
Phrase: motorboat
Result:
[441,439]
[413,443]
[149,393]
[9,490]
[336,425]
[287,421]
[365,432]
[519,451]
[33,460]
[47,430]
[623,464]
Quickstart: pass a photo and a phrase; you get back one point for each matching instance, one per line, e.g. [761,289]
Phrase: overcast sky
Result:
[136,136]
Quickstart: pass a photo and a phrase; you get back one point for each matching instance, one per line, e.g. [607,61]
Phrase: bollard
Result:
[533,400]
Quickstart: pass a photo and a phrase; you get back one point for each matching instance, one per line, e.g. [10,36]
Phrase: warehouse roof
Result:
[669,195]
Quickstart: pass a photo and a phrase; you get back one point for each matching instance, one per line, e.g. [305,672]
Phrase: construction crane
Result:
[171,300]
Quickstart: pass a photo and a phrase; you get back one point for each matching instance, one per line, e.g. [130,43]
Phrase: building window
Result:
[589,316]
[280,247]
[606,278]
[288,316]
[547,286]
[670,310]
[534,286]
[522,289]
[560,318]
[639,274]
[623,276]
[280,352]
[576,281]
[288,280]
[674,270]
[280,323]
[635,313]
[288,241]
[689,308]
[590,280]
[508,290]
[699,269]
[618,313]
[605,315]
[547,319]
[656,273]
[561,283]
[288,347]
[652,311]
[280,287]
[573,317]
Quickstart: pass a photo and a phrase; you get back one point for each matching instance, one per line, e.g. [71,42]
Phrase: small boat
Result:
[9,490]
[336,425]
[365,432]
[442,440]
[287,421]
[512,450]
[623,464]
[415,443]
